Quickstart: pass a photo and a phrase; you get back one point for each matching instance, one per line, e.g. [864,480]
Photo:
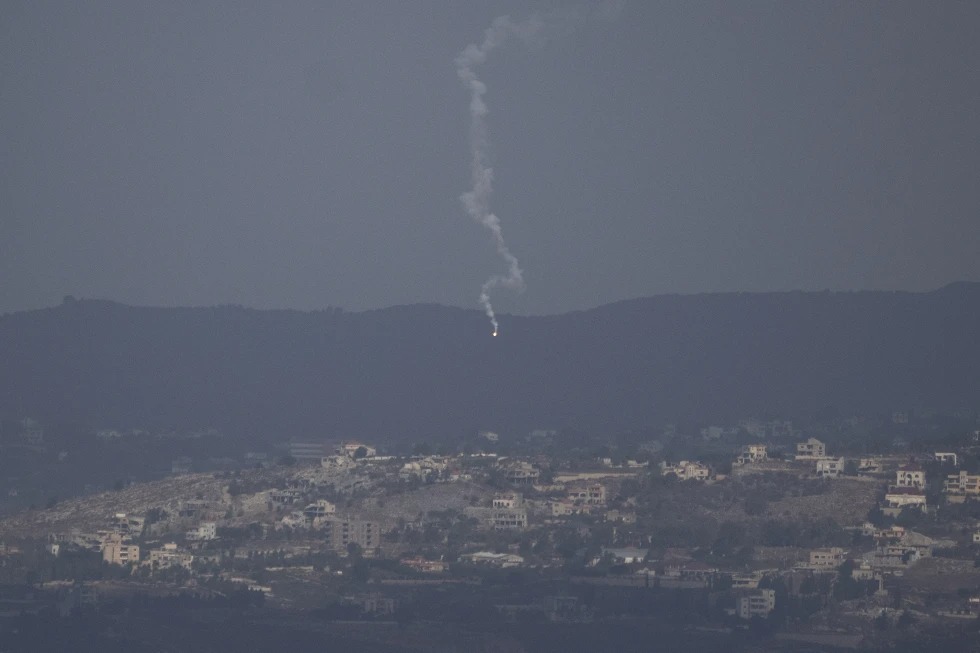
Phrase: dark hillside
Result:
[422,370]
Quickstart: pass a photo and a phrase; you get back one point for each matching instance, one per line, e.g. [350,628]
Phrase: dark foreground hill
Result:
[430,370]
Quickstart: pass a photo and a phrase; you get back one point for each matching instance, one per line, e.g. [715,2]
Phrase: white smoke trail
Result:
[477,200]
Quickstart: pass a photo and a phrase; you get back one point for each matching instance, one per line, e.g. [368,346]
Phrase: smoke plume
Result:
[477,200]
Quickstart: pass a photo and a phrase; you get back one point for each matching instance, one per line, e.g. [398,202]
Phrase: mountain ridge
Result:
[424,369]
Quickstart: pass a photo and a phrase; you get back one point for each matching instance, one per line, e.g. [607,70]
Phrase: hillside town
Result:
[759,529]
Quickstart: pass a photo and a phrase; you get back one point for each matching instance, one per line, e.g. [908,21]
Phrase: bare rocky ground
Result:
[415,504]
[942,575]
[90,512]
[847,502]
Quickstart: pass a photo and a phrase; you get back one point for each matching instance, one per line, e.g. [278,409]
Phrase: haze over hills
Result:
[414,371]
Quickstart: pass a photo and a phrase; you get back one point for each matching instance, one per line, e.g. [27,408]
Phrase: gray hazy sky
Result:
[312,154]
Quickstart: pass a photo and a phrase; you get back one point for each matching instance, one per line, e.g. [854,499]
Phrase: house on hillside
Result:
[757,603]
[812,449]
[753,453]
[910,476]
[830,467]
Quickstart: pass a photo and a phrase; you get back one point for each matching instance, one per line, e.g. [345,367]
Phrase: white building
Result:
[758,603]
[900,497]
[830,467]
[870,465]
[962,484]
[521,473]
[508,500]
[319,508]
[812,449]
[588,494]
[307,450]
[205,531]
[503,519]
[910,475]
[946,458]
[687,470]
[351,449]
[753,453]
[169,556]
[117,551]
[830,558]
[492,559]
[626,556]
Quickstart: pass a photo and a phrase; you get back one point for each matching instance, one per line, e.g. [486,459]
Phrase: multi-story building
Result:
[589,494]
[900,497]
[319,508]
[342,532]
[508,519]
[118,551]
[688,470]
[758,603]
[205,531]
[827,558]
[753,453]
[811,449]
[870,465]
[522,473]
[910,475]
[830,467]
[127,524]
[508,500]
[169,556]
[963,483]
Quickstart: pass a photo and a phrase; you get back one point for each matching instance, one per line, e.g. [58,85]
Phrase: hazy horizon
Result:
[310,156]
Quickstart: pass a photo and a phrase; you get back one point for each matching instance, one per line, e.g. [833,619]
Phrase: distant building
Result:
[910,475]
[127,524]
[502,519]
[587,494]
[830,467]
[319,508]
[118,551]
[946,458]
[687,470]
[758,603]
[169,556]
[753,453]
[425,566]
[626,556]
[307,450]
[508,500]
[492,559]
[870,466]
[206,531]
[351,449]
[830,558]
[901,497]
[962,483]
[521,473]
[287,497]
[812,449]
[342,532]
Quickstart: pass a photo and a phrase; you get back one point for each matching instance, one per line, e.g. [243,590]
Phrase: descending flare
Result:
[477,200]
